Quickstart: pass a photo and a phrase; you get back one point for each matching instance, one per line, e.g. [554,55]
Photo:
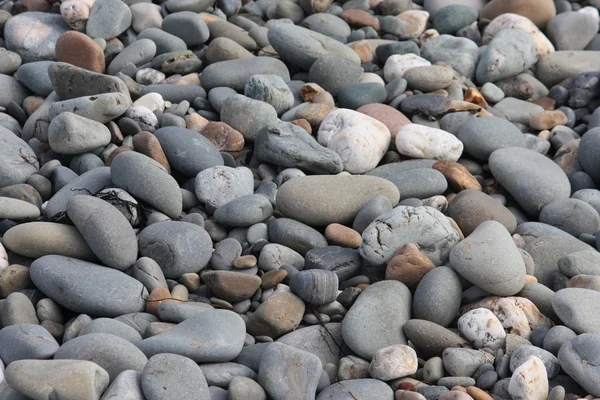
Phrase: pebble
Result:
[573,357]
[529,380]
[576,308]
[315,287]
[483,136]
[173,375]
[393,362]
[470,208]
[279,314]
[461,53]
[418,141]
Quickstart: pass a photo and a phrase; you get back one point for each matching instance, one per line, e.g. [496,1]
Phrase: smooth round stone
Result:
[431,339]
[328,25]
[241,388]
[438,296]
[219,185]
[482,328]
[71,82]
[470,208]
[316,287]
[69,133]
[105,229]
[344,262]
[415,182]
[113,327]
[33,35]
[145,16]
[69,379]
[221,332]
[9,61]
[433,233]
[231,286]
[361,141]
[555,67]
[572,30]
[462,362]
[17,209]
[538,12]
[281,313]
[533,189]
[396,65]
[332,72]
[80,50]
[529,380]
[419,141]
[138,53]
[18,309]
[318,339]
[111,352]
[26,341]
[188,26]
[244,211]
[452,18]
[392,118]
[108,19]
[356,95]
[295,235]
[17,159]
[302,47]
[178,247]
[502,272]
[573,357]
[571,215]
[325,192]
[556,337]
[234,73]
[69,282]
[514,21]
[221,28]
[126,385]
[522,353]
[255,116]
[223,49]
[461,53]
[270,89]
[146,180]
[101,108]
[174,376]
[428,78]
[482,136]
[35,77]
[165,42]
[586,262]
[382,303]
[577,309]
[434,6]
[393,362]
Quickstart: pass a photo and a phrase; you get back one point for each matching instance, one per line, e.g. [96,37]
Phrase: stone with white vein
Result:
[419,141]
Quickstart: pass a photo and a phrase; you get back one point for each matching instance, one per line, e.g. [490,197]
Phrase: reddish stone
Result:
[79,49]
[224,137]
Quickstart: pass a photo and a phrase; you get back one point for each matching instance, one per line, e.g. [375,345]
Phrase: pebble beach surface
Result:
[299,199]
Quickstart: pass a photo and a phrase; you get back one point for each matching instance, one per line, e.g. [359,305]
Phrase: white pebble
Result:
[482,328]
[419,141]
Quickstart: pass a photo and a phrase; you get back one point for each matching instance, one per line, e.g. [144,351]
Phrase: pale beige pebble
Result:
[439,202]
[547,119]
[517,314]
[529,381]
[427,36]
[459,389]
[478,394]
[578,281]
[180,292]
[393,362]
[408,395]
[515,21]
[366,48]
[195,122]
[545,134]
[324,98]
[530,279]
[152,101]
[415,22]
[419,141]
[189,79]
[397,65]
[370,77]
[591,11]
[244,262]
[18,209]
[360,141]
[75,13]
[32,103]
[3,258]
[340,235]
[482,328]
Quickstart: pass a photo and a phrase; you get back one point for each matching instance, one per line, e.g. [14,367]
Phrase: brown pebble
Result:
[478,394]
[547,120]
[365,51]
[13,278]
[547,103]
[389,116]
[56,330]
[406,386]
[191,281]
[224,137]
[360,18]
[585,281]
[158,295]
[340,235]
[31,5]
[245,262]
[180,292]
[32,103]
[362,286]
[147,144]
[324,98]
[408,266]
[231,286]
[195,122]
[530,279]
[545,134]
[314,113]
[116,136]
[79,49]
[302,123]
[474,96]
[115,153]
[309,90]
[272,278]
[458,177]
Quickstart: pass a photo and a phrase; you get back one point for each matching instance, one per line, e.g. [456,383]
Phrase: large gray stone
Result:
[589,153]
[83,287]
[219,185]
[522,353]
[71,82]
[101,108]
[125,386]
[108,19]
[580,359]
[13,91]
[571,215]
[559,65]
[321,340]
[343,261]
[17,159]
[244,211]
[376,318]
[235,73]
[578,309]
[248,116]
[113,327]
[572,30]
[295,235]
[70,133]
[357,389]
[431,339]
[461,53]
[585,262]
[517,111]
[26,341]
[33,35]
[531,178]
[173,376]
[482,136]
[418,183]
[438,296]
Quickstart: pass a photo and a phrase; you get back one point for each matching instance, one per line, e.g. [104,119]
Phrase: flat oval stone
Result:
[178,247]
[385,303]
[212,336]
[26,341]
[432,339]
[231,286]
[438,296]
[165,42]
[482,136]
[139,52]
[470,208]
[17,209]
[244,211]
[256,115]
[555,67]
[80,50]
[101,108]
[533,189]
[83,287]
[295,235]
[34,76]
[316,287]
[70,81]
[418,183]
[281,313]
[328,199]
[70,133]
[419,141]
[33,35]
[188,26]
[111,352]
[37,239]
[108,19]
[235,73]
[571,215]
[113,327]
[105,229]
[146,180]
[578,309]
[173,376]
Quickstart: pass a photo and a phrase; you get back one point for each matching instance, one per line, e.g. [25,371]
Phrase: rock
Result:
[587,152]
[560,65]
[382,303]
[17,159]
[219,185]
[397,65]
[146,180]
[361,141]
[273,256]
[420,141]
[487,275]
[538,13]
[461,53]
[231,286]
[18,309]
[105,229]
[531,190]
[14,91]
[33,35]
[517,111]
[522,354]
[222,136]
[235,73]
[220,332]
[577,309]
[529,381]
[287,145]
[188,26]
[173,375]
[515,21]
[508,54]
[178,247]
[319,340]
[69,379]
[419,183]
[71,82]
[81,51]
[303,47]
[482,328]
[561,30]
[482,136]
[281,313]
[113,327]
[244,211]
[256,116]
[428,78]
[470,208]
[270,89]
[433,233]
[26,341]
[68,282]
[452,18]
[295,235]
[17,209]
[580,262]
[245,388]
[462,362]
[391,118]
[326,72]
[393,362]
[438,296]
[408,266]
[571,215]
[360,389]
[126,385]
[108,19]
[574,356]
[316,287]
